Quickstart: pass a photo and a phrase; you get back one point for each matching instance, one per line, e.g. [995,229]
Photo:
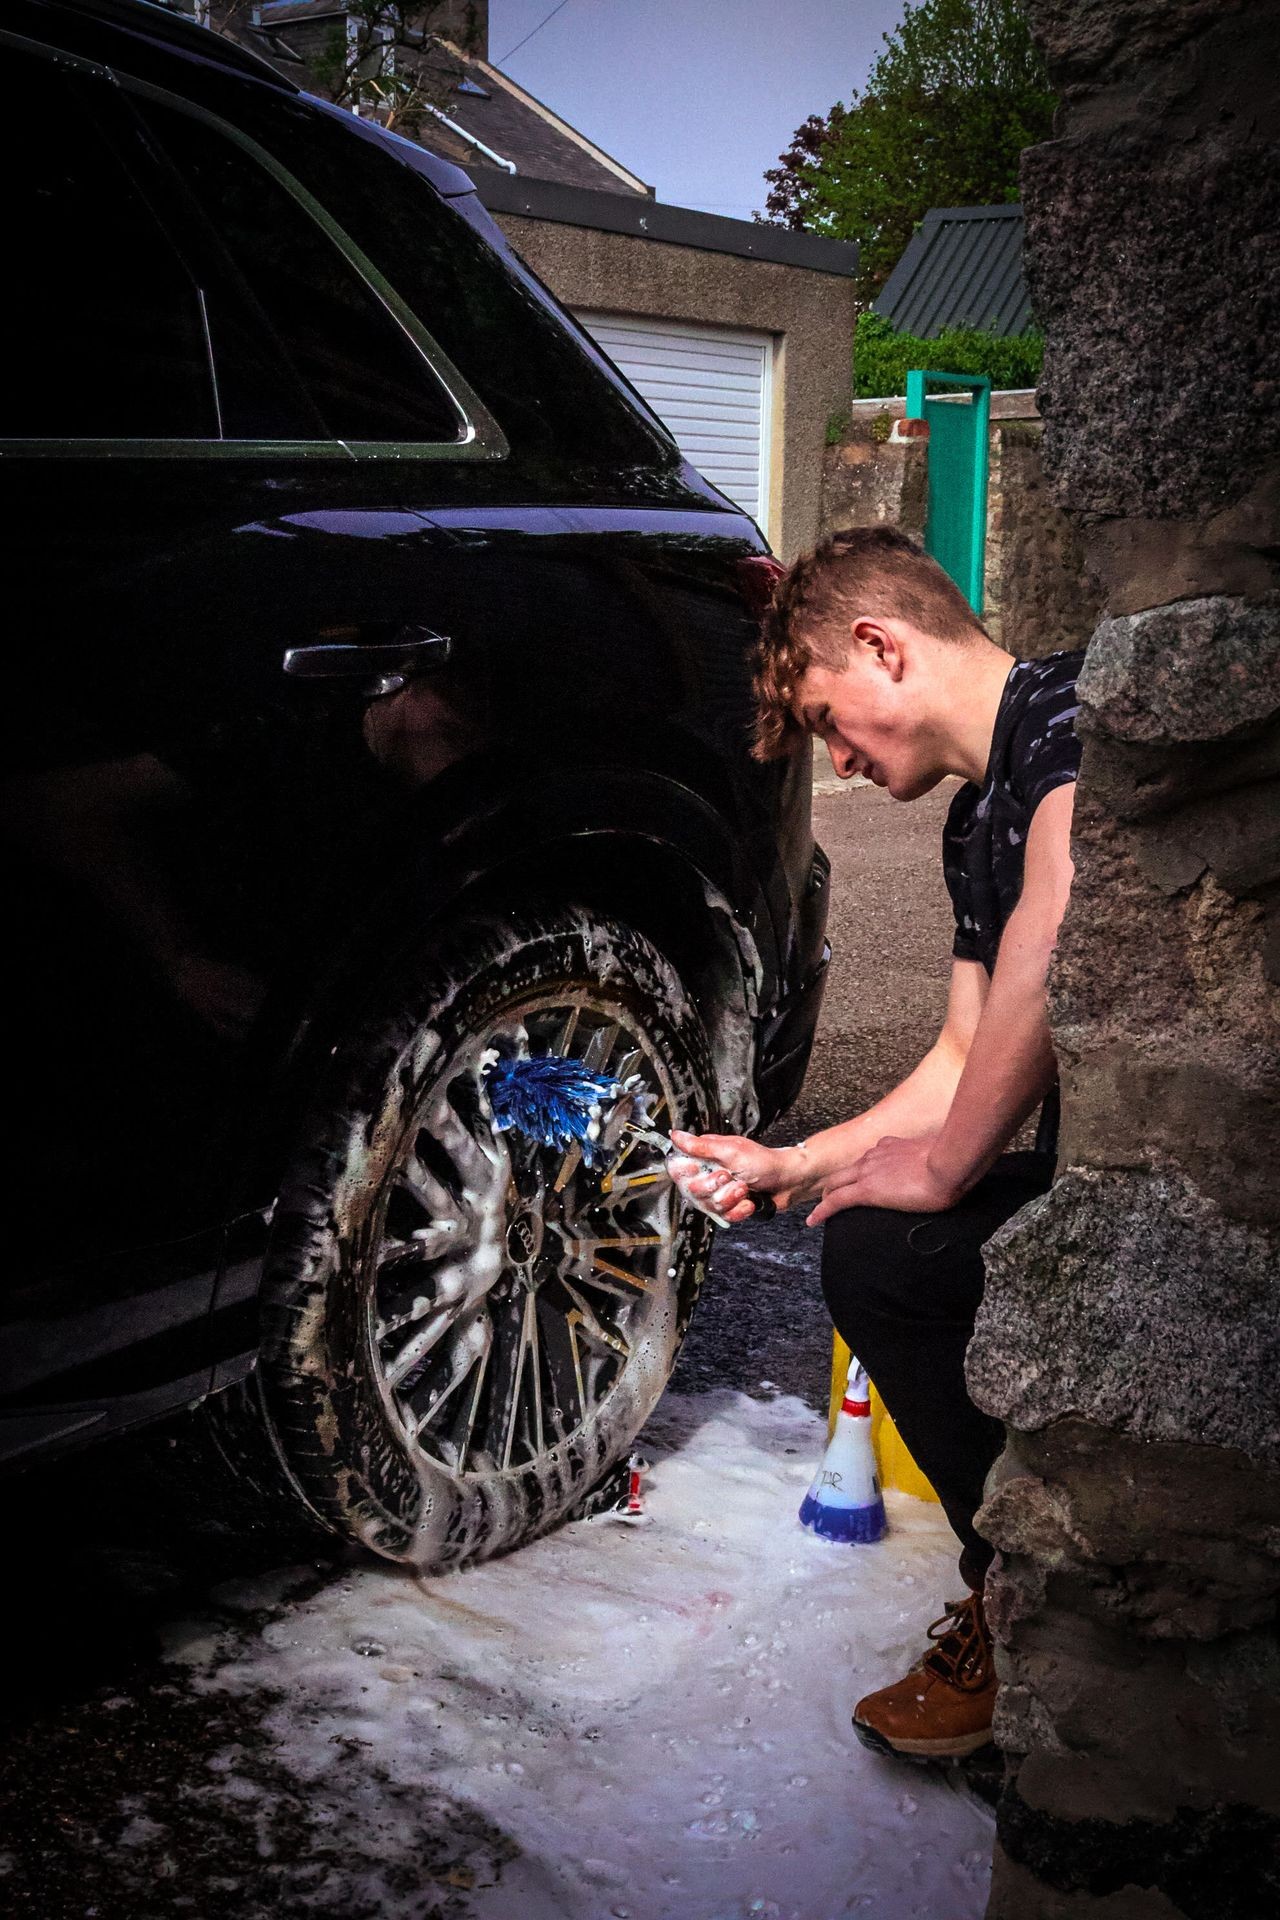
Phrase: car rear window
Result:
[496,327]
[106,336]
[366,377]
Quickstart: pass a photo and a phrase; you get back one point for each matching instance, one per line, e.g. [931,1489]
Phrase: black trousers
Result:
[903,1290]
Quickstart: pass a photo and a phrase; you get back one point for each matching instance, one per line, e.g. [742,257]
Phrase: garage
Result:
[712,386]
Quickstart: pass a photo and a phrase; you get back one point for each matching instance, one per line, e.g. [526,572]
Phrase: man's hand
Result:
[893,1173]
[742,1165]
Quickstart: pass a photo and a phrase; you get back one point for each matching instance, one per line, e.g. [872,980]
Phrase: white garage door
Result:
[711,385]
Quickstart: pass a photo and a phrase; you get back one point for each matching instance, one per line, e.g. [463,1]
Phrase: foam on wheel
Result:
[464,1330]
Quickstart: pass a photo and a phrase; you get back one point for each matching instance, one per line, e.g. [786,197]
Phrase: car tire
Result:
[464,1330]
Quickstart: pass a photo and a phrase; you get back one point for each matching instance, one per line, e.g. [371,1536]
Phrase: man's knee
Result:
[881,1267]
[866,1267]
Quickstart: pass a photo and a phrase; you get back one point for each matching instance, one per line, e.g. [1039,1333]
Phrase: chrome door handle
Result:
[384,666]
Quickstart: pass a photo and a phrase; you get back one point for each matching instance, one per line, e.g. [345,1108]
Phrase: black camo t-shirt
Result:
[984,843]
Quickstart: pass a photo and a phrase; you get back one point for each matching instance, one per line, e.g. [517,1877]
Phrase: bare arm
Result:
[918,1106]
[1009,1066]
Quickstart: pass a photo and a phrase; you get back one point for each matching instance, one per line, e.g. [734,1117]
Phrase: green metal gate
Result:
[955,529]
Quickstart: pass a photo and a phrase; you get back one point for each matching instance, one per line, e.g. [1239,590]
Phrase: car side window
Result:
[365,376]
[106,331]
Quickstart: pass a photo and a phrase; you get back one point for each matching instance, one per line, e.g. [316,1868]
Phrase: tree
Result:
[381,58]
[958,92]
[384,59]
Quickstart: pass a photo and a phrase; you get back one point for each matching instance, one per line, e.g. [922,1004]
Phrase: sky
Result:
[698,97]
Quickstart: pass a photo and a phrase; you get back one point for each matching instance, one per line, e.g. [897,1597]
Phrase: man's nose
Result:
[841,758]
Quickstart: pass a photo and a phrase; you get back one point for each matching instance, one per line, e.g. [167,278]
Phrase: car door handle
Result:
[384,665]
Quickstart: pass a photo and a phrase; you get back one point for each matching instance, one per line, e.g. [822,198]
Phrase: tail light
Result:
[756,577]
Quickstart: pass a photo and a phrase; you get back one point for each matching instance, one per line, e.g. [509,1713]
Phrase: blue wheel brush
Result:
[560,1102]
[557,1101]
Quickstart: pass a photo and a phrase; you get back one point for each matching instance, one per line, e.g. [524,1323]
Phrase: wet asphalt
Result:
[107,1547]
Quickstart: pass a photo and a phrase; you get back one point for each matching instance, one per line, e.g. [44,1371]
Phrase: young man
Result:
[871,647]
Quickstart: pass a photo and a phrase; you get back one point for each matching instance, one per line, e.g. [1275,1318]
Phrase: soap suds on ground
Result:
[650,1723]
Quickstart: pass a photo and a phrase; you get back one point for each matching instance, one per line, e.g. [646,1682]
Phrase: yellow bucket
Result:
[897,1469]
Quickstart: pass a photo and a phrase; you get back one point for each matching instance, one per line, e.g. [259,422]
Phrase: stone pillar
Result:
[1129,1338]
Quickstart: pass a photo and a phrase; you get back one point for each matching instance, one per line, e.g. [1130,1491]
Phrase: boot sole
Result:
[956,1749]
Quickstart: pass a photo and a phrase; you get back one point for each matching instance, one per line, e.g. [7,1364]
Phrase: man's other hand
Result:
[895,1174]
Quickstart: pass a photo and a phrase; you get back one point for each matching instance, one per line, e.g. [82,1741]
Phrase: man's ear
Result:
[881,640]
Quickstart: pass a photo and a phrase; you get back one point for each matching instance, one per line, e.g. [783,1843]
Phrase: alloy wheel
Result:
[512,1282]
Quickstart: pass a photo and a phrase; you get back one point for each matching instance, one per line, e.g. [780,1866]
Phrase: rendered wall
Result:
[1129,1337]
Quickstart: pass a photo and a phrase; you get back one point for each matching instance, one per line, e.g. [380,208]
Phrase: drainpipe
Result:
[471,140]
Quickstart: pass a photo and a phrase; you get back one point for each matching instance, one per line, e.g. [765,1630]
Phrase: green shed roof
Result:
[961,268]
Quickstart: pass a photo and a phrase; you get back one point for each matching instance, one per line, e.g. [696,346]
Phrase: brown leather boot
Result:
[941,1710]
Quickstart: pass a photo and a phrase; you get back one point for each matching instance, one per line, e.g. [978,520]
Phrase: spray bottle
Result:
[845,1502]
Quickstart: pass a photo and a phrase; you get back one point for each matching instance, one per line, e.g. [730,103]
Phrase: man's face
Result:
[870,714]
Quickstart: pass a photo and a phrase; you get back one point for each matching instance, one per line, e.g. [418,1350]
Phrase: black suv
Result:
[379,692]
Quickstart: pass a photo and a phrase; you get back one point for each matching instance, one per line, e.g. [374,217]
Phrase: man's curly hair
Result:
[878,571]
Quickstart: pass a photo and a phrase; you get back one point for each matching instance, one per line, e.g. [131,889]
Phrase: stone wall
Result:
[1039,597]
[1129,1334]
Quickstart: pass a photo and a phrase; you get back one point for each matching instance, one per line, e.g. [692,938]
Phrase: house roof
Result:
[961,268]
[512,122]
[479,115]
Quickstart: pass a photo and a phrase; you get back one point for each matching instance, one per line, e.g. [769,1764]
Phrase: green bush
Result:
[882,358]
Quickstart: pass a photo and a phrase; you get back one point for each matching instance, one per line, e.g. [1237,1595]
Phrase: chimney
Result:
[465,23]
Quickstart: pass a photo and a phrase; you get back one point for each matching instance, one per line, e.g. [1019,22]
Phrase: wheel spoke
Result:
[467,1347]
[479,1155]
[561,1361]
[457,1287]
[473,1405]
[592,1329]
[588,1250]
[513,1401]
[393,1322]
[533,1370]
[565,1037]
[621,1242]
[629,1147]
[617,1191]
[599,1047]
[415,1350]
[568,1167]
[436,1189]
[397,1258]
[572,1323]
[611,1287]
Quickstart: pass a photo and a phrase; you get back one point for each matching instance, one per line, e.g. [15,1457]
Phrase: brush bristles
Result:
[555,1100]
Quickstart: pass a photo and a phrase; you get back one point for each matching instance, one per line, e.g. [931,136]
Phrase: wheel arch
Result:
[656,888]
[641,847]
